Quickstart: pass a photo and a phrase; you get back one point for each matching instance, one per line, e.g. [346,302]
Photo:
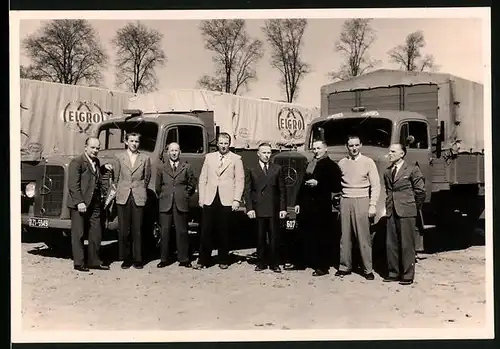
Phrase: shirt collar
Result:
[89,159]
[262,164]
[131,154]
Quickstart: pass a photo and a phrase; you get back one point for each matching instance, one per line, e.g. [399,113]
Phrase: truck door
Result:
[418,148]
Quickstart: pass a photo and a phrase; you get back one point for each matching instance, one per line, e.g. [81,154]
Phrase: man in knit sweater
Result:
[360,193]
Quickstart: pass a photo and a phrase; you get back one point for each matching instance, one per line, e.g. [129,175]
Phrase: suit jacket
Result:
[228,180]
[131,179]
[265,193]
[407,193]
[175,188]
[82,181]
[319,198]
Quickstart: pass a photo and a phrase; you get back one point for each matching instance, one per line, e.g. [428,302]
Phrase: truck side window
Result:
[419,131]
[404,133]
[171,136]
[191,139]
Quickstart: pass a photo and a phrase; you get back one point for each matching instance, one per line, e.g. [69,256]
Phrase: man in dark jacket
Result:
[175,184]
[322,180]
[265,201]
[85,202]
[405,188]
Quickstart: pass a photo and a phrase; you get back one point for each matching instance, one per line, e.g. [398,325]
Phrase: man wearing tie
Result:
[405,188]
[85,203]
[175,184]
[132,173]
[221,184]
[265,201]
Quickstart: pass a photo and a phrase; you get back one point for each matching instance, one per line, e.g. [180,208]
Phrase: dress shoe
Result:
[138,265]
[199,266]
[260,267]
[99,267]
[223,266]
[126,265]
[342,273]
[369,276]
[81,268]
[162,264]
[276,269]
[391,279]
[320,272]
[185,264]
[406,282]
[290,266]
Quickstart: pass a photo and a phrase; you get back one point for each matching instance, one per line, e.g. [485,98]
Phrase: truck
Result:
[190,117]
[439,117]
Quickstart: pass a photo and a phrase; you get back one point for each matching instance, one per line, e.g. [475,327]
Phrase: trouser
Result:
[355,222]
[401,247]
[267,245]
[215,216]
[80,222]
[130,217]
[180,222]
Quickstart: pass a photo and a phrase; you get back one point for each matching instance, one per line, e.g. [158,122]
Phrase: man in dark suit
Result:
[175,184]
[265,201]
[405,187]
[85,202]
[322,180]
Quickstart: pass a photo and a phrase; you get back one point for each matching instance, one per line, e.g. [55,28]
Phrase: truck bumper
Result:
[52,223]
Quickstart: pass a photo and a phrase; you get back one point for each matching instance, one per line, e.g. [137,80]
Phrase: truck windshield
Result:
[372,131]
[112,135]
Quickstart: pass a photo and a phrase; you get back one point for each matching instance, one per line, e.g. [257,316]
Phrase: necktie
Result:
[174,166]
[394,169]
[265,168]
[221,161]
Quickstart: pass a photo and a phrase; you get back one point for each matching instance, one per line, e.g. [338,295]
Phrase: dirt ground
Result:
[449,292]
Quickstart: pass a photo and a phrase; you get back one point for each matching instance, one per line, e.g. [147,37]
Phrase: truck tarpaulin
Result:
[57,118]
[249,121]
[440,97]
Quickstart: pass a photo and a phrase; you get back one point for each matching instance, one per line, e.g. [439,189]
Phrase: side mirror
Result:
[410,140]
[440,140]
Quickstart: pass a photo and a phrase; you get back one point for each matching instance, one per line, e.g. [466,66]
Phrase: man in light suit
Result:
[132,173]
[221,184]
[266,202]
[85,203]
[175,184]
[405,187]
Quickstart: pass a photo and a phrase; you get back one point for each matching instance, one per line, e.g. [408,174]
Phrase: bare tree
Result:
[235,54]
[65,51]
[356,38]
[139,53]
[285,38]
[409,57]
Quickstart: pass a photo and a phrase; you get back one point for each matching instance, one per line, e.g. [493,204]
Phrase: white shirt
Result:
[132,157]
[174,164]
[398,167]
[262,165]
[92,163]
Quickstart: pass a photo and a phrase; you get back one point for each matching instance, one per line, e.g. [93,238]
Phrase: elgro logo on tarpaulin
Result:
[291,123]
[80,116]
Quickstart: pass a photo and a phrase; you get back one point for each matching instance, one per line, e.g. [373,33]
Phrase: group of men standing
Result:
[222,186]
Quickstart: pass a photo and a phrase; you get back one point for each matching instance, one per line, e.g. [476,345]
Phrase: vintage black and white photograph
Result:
[251,175]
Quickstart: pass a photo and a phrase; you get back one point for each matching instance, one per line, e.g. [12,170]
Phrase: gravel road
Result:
[449,292]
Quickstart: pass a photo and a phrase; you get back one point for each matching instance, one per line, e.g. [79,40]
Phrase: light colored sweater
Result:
[358,177]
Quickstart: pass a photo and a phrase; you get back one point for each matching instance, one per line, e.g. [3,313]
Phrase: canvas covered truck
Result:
[440,119]
[190,117]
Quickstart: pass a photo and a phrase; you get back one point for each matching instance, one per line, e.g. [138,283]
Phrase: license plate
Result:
[38,222]
[290,224]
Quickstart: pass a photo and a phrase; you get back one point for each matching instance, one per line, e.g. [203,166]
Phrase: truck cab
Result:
[377,129]
[44,183]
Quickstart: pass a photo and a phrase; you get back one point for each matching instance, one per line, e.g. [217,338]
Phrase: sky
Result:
[456,44]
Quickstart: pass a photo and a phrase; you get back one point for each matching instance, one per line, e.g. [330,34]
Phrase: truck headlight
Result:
[30,189]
